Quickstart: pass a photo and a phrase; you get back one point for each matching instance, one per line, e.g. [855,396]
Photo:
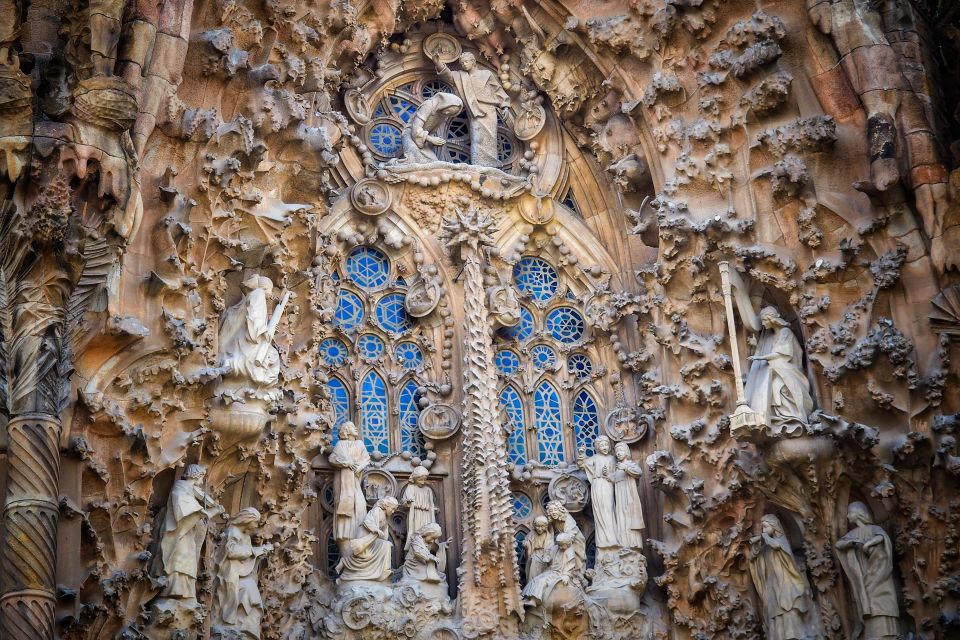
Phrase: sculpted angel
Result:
[246,335]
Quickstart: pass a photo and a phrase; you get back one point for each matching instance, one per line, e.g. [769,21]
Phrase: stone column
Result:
[489,586]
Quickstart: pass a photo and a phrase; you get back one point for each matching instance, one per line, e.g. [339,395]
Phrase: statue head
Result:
[770,524]
[448,104]
[419,476]
[858,514]
[468,61]
[540,524]
[771,318]
[602,445]
[556,511]
[430,532]
[257,282]
[349,431]
[622,449]
[246,518]
[195,472]
[388,504]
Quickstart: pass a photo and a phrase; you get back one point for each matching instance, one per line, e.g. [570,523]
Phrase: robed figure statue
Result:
[239,607]
[246,335]
[350,457]
[483,95]
[866,556]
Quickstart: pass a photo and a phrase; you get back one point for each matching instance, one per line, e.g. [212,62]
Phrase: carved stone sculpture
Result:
[601,469]
[184,532]
[420,135]
[425,562]
[367,556]
[866,555]
[629,511]
[567,558]
[351,458]
[538,545]
[418,498]
[246,336]
[239,608]
[482,95]
[783,589]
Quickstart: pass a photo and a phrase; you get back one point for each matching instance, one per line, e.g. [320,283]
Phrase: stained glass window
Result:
[570,202]
[543,357]
[403,108]
[519,538]
[408,355]
[340,399]
[368,268]
[565,324]
[333,351]
[373,413]
[546,402]
[586,421]
[522,506]
[580,366]
[507,361]
[516,441]
[385,138]
[536,278]
[369,346]
[333,555]
[349,313]
[392,315]
[434,87]
[410,437]
[523,329]
[504,148]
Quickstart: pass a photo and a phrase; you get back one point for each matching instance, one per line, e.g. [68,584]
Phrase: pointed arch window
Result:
[548,423]
[340,399]
[586,421]
[517,440]
[373,413]
[410,437]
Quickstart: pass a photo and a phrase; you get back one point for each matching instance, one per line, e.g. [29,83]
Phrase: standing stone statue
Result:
[538,546]
[238,607]
[368,556]
[350,457]
[246,335]
[600,469]
[630,524]
[783,590]
[419,136]
[483,95]
[418,498]
[189,510]
[866,556]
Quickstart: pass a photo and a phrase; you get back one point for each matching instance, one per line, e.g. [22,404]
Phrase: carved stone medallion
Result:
[444,633]
[357,105]
[358,610]
[571,490]
[423,296]
[536,209]
[530,121]
[443,46]
[624,425]
[378,483]
[439,421]
[370,197]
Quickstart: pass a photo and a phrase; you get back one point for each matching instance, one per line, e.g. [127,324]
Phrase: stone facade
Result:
[481,319]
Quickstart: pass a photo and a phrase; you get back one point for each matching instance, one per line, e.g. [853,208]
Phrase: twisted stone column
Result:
[29,546]
[489,583]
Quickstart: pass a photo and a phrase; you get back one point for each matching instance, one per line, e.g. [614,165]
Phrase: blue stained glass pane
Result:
[518,538]
[333,556]
[379,112]
[410,437]
[522,506]
[408,355]
[570,203]
[340,399]
[543,357]
[523,329]
[434,87]
[369,346]
[586,421]
[579,365]
[504,148]
[565,324]
[546,404]
[459,129]
[392,315]
[333,352]
[368,267]
[403,108]
[453,153]
[349,313]
[536,278]
[516,441]
[507,362]
[385,138]
[373,414]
